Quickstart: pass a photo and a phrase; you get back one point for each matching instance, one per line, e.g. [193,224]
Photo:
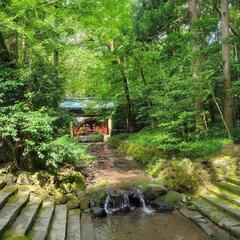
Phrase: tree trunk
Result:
[12,147]
[13,47]
[24,49]
[130,119]
[228,99]
[4,54]
[55,58]
[130,122]
[201,121]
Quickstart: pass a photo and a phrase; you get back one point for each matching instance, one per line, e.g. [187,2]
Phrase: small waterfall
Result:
[143,204]
[117,202]
[120,201]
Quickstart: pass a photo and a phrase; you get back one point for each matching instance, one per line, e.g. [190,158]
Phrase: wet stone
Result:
[41,226]
[10,211]
[26,219]
[222,236]
[153,191]
[59,224]
[163,207]
[98,212]
[73,227]
[87,227]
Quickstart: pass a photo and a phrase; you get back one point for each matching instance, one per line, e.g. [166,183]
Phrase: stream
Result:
[142,223]
[138,225]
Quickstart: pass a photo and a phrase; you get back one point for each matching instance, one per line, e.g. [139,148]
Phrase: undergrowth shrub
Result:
[65,150]
[143,154]
[180,175]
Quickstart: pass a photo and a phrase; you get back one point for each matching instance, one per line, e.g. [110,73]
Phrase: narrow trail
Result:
[113,167]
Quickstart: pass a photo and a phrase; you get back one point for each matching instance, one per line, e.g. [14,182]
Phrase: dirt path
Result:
[115,167]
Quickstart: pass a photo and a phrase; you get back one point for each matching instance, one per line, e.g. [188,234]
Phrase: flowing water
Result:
[140,224]
[145,209]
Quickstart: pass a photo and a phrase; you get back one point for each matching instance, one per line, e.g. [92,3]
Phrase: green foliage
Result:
[183,175]
[170,146]
[64,150]
[141,153]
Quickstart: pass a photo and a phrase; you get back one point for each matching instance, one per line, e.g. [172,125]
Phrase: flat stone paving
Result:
[223,220]
[87,227]
[73,227]
[59,224]
[226,206]
[11,210]
[206,225]
[5,195]
[26,219]
[42,225]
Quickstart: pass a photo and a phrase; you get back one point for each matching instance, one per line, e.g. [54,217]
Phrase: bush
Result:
[167,145]
[65,150]
[143,154]
[182,175]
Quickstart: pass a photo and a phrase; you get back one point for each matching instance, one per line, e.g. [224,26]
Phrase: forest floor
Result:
[114,168]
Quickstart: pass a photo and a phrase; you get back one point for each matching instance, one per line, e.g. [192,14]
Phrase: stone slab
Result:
[5,195]
[87,227]
[225,206]
[42,224]
[59,224]
[73,227]
[11,210]
[26,219]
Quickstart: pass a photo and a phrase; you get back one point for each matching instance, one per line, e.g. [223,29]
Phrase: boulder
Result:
[23,179]
[153,191]
[134,200]
[172,197]
[84,200]
[163,207]
[98,212]
[73,203]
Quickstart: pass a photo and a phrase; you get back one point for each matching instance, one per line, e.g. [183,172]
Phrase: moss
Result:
[98,194]
[142,183]
[103,182]
[140,153]
[9,236]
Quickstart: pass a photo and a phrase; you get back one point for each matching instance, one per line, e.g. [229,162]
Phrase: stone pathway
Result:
[114,167]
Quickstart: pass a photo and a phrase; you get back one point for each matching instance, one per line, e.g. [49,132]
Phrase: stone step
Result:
[229,186]
[73,226]
[226,195]
[59,224]
[87,227]
[26,219]
[5,194]
[11,210]
[218,217]
[43,222]
[233,179]
[223,205]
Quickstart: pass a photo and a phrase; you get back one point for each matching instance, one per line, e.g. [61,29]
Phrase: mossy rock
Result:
[18,238]
[72,202]
[84,200]
[172,197]
[9,236]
